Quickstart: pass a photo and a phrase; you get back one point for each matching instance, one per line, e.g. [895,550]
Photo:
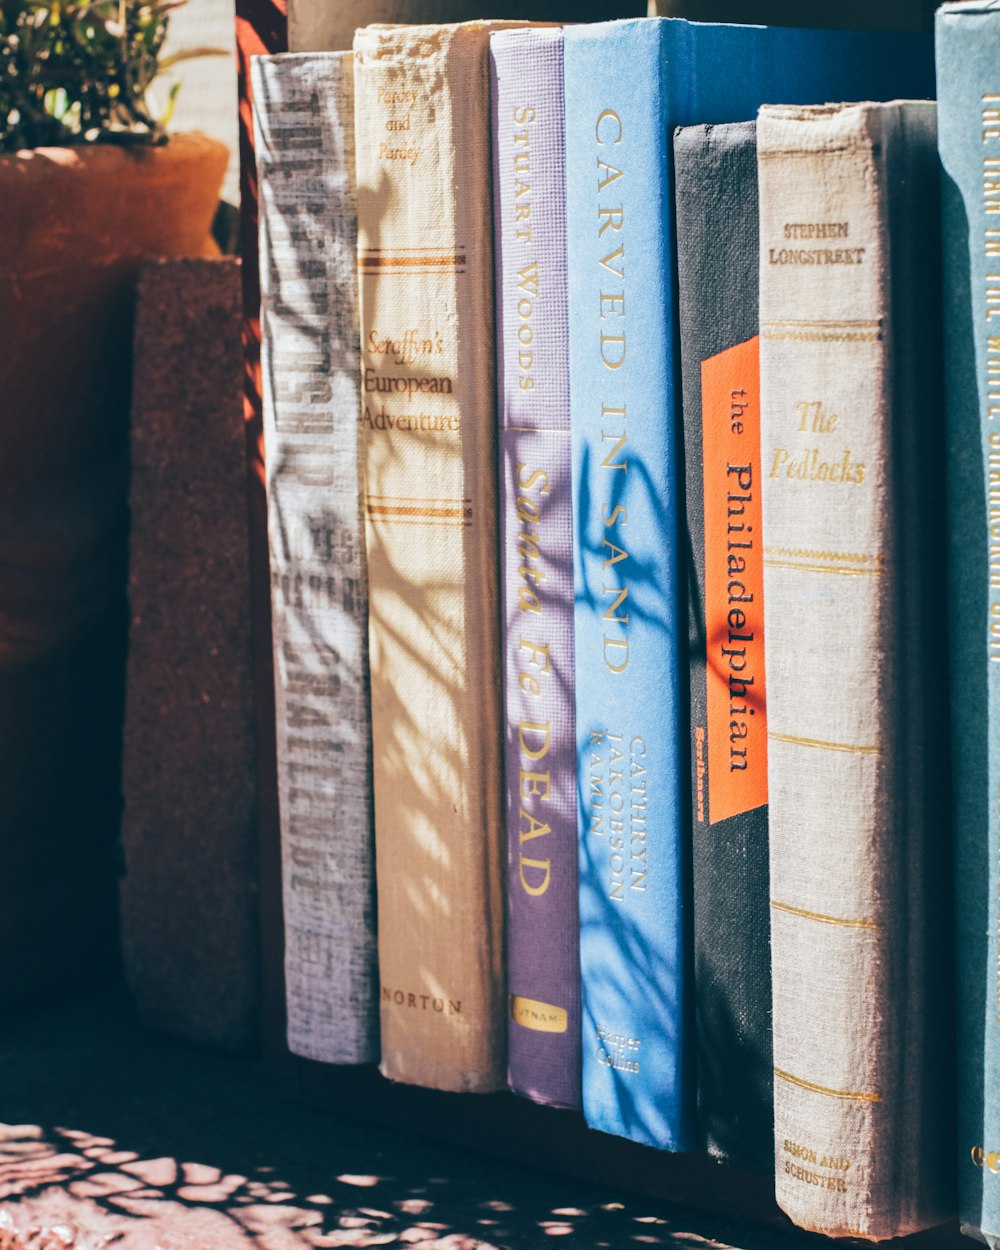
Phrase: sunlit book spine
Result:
[852,462]
[304,122]
[543,956]
[428,427]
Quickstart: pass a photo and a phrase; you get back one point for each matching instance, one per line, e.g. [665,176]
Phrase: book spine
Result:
[622,378]
[968,51]
[849,404]
[304,122]
[543,952]
[715,171]
[428,419]
[633,803]
[261,28]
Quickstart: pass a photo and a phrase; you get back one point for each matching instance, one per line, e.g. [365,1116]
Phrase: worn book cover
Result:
[428,426]
[319,586]
[852,460]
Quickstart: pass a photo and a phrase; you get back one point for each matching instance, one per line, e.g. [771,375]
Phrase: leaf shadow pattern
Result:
[124,1140]
[632,943]
[433,617]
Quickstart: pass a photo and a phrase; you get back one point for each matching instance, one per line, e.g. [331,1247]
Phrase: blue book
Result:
[627,85]
[968,51]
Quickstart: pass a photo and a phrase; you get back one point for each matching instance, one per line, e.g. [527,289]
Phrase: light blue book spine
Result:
[627,84]
[629,710]
[968,51]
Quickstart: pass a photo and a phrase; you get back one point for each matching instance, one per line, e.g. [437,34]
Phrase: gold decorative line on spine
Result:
[822,918]
[419,520]
[850,747]
[534,429]
[822,568]
[810,553]
[813,1087]
[820,336]
[409,510]
[409,262]
[841,325]
[364,274]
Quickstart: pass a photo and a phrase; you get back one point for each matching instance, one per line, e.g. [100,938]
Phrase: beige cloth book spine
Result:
[425,259]
[850,414]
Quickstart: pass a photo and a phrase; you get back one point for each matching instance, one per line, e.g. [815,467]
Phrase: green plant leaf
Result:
[78,71]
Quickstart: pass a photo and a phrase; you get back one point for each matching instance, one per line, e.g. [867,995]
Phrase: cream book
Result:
[851,456]
[428,426]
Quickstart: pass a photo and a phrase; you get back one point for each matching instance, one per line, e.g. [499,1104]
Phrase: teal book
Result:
[627,85]
[968,52]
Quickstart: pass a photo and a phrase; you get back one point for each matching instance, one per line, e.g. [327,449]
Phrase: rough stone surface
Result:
[188,897]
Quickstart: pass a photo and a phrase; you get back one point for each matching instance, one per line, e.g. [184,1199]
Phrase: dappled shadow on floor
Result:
[116,1138]
[86,1191]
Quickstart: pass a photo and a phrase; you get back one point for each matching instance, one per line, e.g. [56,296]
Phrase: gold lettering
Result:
[532,730]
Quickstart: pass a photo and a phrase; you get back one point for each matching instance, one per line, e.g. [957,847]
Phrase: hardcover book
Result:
[627,84]
[715,170]
[968,51]
[261,29]
[304,104]
[852,455]
[428,422]
[543,955]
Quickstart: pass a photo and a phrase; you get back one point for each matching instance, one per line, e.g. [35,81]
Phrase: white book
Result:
[304,122]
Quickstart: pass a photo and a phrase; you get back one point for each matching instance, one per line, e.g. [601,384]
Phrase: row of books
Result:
[487,274]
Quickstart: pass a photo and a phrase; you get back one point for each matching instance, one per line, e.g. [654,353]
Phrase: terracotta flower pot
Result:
[77,222]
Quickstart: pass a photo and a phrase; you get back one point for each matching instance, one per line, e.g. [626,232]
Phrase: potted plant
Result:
[90,184]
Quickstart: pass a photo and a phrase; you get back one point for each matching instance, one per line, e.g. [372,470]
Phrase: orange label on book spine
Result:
[734,582]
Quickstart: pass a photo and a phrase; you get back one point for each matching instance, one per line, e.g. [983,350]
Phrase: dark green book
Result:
[717,255]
